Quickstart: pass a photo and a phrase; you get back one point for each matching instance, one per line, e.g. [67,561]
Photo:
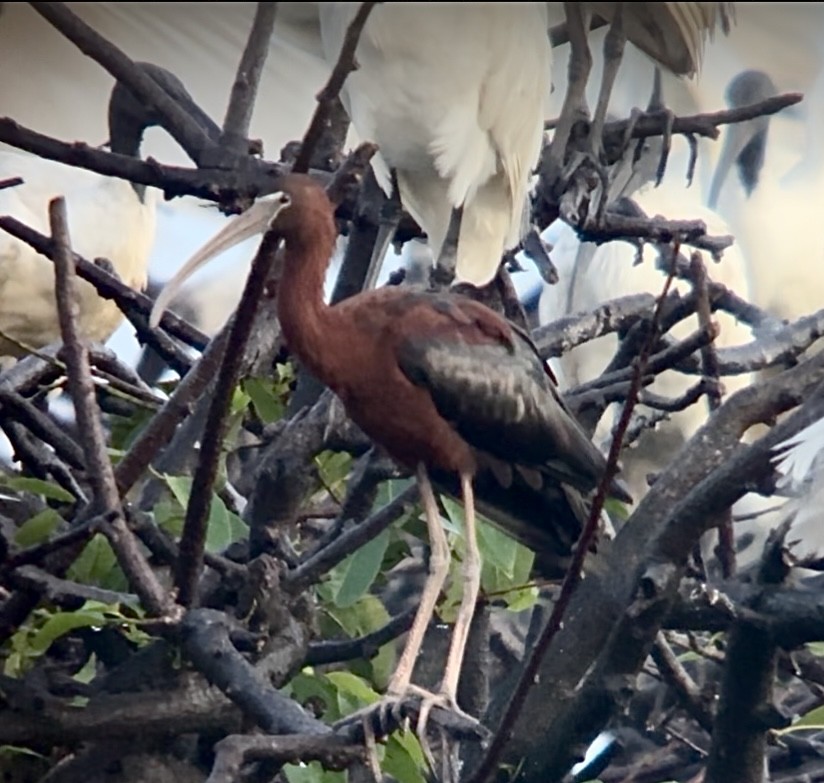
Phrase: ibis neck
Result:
[309,325]
[125,138]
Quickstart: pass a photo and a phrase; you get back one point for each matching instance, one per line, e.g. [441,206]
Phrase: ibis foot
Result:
[415,706]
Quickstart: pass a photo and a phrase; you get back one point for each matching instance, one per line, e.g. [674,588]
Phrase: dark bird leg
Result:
[444,272]
[390,218]
[575,106]
[614,43]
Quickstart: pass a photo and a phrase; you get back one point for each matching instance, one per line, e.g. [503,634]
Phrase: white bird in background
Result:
[590,275]
[800,461]
[108,218]
[774,208]
[454,94]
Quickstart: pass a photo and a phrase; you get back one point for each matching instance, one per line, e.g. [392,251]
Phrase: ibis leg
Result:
[447,695]
[471,586]
[574,108]
[438,569]
[444,272]
[389,219]
[613,54]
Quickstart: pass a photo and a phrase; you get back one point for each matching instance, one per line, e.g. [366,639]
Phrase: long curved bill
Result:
[255,220]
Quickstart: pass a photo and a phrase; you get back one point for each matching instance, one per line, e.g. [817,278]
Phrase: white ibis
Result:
[774,211]
[590,275]
[108,218]
[800,461]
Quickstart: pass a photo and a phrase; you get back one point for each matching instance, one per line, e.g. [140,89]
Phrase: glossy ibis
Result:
[445,385]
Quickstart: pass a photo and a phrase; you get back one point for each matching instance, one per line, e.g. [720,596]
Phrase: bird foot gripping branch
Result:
[419,707]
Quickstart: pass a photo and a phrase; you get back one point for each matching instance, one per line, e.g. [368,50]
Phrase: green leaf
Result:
[224,526]
[404,759]
[180,487]
[37,529]
[334,467]
[455,516]
[88,670]
[46,489]
[312,773]
[520,600]
[308,687]
[389,490]
[814,719]
[616,509]
[61,623]
[267,398]
[352,692]
[497,549]
[16,750]
[361,568]
[95,563]
[357,687]
[365,615]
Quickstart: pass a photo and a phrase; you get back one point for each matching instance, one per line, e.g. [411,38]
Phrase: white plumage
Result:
[454,94]
[777,223]
[589,276]
[108,218]
[800,462]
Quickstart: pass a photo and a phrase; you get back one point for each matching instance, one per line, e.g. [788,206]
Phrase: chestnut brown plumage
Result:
[450,390]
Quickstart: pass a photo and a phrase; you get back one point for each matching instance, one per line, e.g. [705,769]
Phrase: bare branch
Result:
[332,88]
[245,87]
[101,476]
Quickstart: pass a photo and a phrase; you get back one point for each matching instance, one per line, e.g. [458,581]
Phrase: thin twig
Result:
[42,426]
[366,646]
[343,67]
[101,476]
[310,570]
[711,372]
[176,120]
[193,538]
[244,90]
[110,287]
[159,431]
[679,679]
[232,752]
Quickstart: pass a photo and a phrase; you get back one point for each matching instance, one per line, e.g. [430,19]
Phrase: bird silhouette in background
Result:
[589,275]
[108,218]
[773,211]
[447,387]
